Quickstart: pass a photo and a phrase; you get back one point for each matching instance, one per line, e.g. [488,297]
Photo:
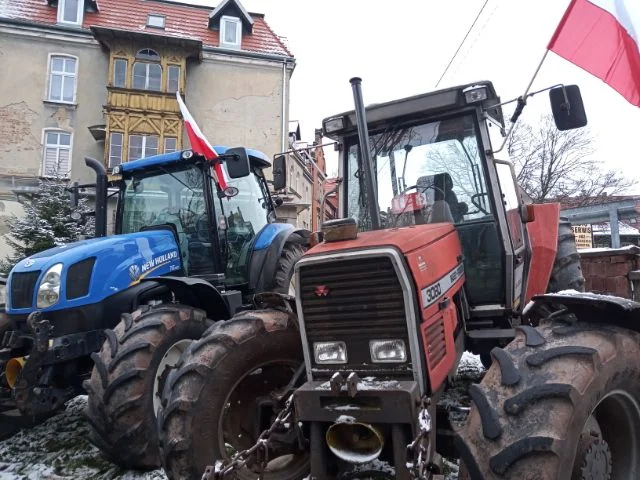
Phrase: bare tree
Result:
[554,164]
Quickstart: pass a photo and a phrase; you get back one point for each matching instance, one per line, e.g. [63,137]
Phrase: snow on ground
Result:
[58,449]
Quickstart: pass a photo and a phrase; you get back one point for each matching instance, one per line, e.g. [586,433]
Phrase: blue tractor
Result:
[109,316]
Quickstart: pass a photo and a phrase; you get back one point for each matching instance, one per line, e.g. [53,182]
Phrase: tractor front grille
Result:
[354,301]
[23,285]
[79,278]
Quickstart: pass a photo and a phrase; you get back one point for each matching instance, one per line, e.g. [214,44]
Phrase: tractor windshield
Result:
[425,173]
[174,197]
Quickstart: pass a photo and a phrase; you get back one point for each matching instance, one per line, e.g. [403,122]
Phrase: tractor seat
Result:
[439,190]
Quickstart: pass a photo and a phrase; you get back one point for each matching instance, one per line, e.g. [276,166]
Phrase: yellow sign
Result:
[584,238]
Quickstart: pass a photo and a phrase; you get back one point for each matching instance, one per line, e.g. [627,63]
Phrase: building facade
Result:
[99,79]
[306,182]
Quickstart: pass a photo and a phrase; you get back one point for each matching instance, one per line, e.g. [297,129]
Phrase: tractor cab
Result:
[439,158]
[214,230]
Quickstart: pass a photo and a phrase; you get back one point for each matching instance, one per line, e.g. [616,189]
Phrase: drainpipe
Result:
[284,93]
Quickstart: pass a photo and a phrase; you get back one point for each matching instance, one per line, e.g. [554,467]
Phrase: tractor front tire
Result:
[560,402]
[567,272]
[133,364]
[211,401]
[283,281]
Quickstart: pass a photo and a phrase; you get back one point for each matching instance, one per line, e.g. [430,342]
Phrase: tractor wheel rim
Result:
[615,426]
[292,286]
[276,465]
[169,360]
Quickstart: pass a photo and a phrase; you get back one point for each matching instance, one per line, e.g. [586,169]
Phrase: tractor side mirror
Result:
[279,172]
[567,107]
[237,161]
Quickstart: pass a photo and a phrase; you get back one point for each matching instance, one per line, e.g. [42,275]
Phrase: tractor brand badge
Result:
[29,262]
[134,272]
[322,291]
[422,265]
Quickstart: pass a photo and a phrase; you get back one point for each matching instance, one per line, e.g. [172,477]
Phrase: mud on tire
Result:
[201,395]
[532,413]
[120,410]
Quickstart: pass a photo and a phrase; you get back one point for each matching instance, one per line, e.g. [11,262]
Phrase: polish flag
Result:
[199,143]
[603,38]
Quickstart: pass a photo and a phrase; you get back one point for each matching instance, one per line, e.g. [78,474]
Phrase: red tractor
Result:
[438,252]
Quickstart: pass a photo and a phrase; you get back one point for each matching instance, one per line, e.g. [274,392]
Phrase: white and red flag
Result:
[199,143]
[603,38]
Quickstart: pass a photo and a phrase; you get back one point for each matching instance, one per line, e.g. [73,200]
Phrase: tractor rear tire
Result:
[567,272]
[561,401]
[212,398]
[284,281]
[121,410]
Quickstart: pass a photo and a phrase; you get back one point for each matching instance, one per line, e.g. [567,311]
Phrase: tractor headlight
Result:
[330,352]
[388,351]
[49,288]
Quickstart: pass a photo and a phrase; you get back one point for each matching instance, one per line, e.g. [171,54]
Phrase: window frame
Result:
[144,144]
[164,144]
[79,13]
[122,135]
[223,30]
[158,16]
[50,73]
[147,64]
[126,72]
[45,145]
[169,68]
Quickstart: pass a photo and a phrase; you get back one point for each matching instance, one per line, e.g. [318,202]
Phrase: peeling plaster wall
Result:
[24,111]
[238,102]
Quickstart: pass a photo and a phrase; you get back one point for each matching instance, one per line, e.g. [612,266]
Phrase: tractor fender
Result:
[592,308]
[196,293]
[267,249]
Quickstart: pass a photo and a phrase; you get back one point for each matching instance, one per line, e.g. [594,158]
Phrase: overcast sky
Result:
[401,48]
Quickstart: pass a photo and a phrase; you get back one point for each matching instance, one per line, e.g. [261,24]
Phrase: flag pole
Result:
[522,102]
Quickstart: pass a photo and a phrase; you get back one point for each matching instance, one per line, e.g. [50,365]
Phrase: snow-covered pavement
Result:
[58,449]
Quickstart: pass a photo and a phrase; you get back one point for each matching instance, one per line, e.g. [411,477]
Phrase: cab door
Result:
[511,199]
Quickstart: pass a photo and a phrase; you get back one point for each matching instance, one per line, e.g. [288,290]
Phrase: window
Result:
[170,144]
[156,21]
[147,76]
[173,78]
[119,72]
[230,31]
[62,79]
[115,149]
[57,154]
[70,11]
[141,146]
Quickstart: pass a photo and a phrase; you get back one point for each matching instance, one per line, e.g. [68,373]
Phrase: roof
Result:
[174,157]
[217,12]
[580,201]
[181,21]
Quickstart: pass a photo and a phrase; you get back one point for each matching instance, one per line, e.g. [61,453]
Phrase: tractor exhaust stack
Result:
[101,195]
[363,137]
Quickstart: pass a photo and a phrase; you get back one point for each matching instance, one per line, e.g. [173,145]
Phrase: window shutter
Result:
[50,161]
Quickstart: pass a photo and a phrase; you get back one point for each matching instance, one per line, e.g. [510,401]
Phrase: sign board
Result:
[584,236]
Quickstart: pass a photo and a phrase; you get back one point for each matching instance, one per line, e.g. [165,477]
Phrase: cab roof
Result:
[430,103]
[256,157]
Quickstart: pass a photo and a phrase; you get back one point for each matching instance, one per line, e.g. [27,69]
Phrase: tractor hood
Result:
[405,239]
[93,269]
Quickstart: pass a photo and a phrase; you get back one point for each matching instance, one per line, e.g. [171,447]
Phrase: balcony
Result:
[143,101]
